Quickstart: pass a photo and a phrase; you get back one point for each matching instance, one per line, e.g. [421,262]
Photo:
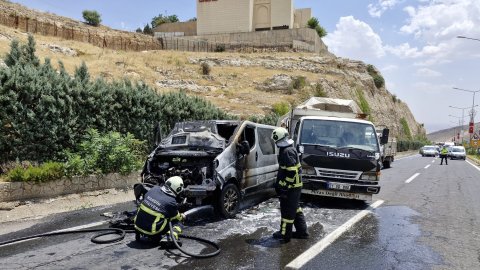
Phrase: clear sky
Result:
[413,42]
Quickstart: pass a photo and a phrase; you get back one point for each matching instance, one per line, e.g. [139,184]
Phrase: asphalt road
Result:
[431,222]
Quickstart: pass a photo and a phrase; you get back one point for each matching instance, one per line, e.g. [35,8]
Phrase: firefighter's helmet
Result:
[279,134]
[175,184]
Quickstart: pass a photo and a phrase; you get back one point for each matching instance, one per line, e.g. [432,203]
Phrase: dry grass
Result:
[235,92]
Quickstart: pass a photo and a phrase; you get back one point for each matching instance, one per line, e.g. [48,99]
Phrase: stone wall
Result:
[280,38]
[14,191]
[97,36]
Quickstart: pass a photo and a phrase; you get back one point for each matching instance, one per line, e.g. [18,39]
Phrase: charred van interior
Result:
[189,151]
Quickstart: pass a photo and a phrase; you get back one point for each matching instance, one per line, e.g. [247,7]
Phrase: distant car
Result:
[429,151]
[457,152]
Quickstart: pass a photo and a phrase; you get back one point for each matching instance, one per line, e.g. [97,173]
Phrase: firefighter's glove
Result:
[183,218]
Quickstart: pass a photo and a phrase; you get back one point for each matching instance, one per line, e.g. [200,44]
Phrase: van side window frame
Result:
[267,146]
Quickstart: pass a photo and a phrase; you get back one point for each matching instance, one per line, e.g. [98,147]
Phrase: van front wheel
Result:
[229,201]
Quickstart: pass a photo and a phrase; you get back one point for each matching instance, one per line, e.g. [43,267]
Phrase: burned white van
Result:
[220,161]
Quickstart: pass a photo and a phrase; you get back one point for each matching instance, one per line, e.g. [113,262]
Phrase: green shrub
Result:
[75,165]
[281,108]
[45,172]
[313,23]
[406,145]
[406,129]
[394,98]
[92,17]
[220,48]
[377,78]
[364,106]
[299,82]
[321,31]
[44,111]
[269,119]
[319,91]
[106,153]
[206,68]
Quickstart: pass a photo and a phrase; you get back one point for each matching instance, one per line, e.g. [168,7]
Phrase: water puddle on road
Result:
[385,240]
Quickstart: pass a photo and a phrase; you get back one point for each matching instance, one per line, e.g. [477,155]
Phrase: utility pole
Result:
[463,115]
[471,128]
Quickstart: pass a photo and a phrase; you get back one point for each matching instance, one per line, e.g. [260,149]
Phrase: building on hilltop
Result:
[233,24]
[233,16]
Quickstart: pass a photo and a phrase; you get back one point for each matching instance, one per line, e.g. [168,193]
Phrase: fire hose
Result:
[121,233]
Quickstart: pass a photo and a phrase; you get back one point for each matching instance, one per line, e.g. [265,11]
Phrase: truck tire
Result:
[386,164]
[229,201]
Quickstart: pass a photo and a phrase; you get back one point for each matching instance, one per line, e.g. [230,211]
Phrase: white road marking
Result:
[426,167]
[412,156]
[316,249]
[411,178]
[433,161]
[81,227]
[475,166]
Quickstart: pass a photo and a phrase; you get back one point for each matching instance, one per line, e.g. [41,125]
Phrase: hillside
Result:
[242,84]
[447,134]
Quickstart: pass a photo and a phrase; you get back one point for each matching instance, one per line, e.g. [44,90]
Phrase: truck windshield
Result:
[339,134]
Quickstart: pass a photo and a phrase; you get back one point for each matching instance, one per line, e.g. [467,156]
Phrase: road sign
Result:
[475,143]
[475,136]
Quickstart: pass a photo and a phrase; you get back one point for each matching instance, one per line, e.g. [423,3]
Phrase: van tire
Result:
[229,201]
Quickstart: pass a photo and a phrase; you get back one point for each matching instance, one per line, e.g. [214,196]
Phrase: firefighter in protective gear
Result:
[158,207]
[289,187]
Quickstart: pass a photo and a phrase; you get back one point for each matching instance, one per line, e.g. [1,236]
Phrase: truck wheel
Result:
[229,201]
[386,164]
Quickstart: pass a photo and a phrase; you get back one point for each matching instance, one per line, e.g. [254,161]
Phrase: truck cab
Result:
[340,157]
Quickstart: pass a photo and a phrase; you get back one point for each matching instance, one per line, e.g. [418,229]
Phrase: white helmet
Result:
[280,137]
[279,133]
[175,184]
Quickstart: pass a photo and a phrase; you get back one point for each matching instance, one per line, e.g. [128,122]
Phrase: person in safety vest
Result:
[289,187]
[443,155]
[159,206]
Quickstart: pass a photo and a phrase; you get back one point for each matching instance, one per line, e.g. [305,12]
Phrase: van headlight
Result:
[369,176]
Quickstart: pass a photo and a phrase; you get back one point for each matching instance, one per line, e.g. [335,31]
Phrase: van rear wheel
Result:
[229,201]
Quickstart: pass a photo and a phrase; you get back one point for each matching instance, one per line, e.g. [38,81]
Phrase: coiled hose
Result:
[121,235]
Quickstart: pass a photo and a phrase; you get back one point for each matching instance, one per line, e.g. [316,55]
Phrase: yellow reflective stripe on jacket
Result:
[299,210]
[291,168]
[158,217]
[292,182]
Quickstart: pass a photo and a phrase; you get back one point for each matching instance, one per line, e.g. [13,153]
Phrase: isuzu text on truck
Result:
[339,150]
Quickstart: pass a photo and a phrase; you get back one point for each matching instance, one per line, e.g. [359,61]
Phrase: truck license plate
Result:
[338,194]
[338,186]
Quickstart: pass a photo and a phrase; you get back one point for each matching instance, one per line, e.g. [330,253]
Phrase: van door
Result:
[250,168]
[267,158]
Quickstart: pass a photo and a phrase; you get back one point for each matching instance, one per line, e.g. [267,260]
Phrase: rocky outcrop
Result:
[337,78]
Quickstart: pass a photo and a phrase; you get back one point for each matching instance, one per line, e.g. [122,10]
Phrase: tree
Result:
[139,30]
[147,30]
[161,19]
[92,17]
[314,24]
[14,55]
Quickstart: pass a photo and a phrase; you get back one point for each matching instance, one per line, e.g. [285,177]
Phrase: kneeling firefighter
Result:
[289,187]
[158,208]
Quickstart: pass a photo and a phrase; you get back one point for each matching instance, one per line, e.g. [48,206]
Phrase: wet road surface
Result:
[432,222]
